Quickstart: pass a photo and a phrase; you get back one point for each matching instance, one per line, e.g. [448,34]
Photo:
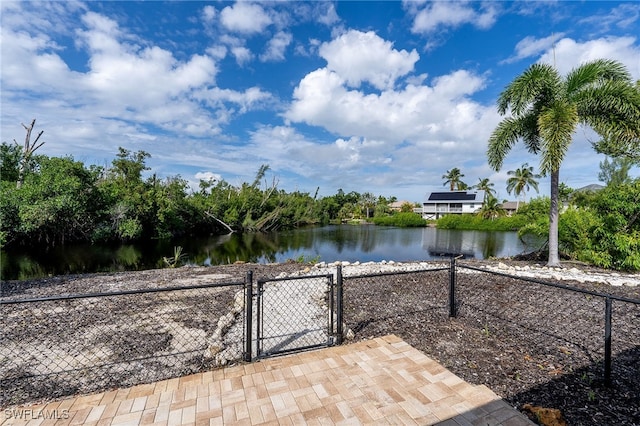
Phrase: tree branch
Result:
[219,221]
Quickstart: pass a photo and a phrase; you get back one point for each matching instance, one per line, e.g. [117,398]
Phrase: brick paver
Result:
[379,381]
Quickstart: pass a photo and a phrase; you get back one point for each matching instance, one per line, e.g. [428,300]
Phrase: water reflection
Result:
[469,244]
[328,243]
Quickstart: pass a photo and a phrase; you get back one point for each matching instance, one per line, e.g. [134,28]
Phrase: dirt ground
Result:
[529,343]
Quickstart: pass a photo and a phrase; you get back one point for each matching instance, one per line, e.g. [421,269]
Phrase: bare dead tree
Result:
[27,151]
[219,221]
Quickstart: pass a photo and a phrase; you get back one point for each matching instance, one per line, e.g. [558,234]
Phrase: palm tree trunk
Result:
[554,259]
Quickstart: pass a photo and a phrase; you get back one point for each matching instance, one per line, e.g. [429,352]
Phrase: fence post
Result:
[452,288]
[248,316]
[607,341]
[339,305]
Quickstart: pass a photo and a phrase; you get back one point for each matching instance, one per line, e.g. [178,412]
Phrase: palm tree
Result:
[486,186]
[546,110]
[521,181]
[491,208]
[454,179]
[368,201]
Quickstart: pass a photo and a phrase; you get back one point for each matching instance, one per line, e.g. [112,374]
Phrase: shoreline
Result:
[569,273]
[520,269]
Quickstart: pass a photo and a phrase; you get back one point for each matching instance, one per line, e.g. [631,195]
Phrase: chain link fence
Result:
[57,346]
[383,303]
[561,321]
[62,345]
[550,324]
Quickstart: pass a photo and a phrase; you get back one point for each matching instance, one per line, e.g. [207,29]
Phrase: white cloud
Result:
[127,89]
[622,16]
[328,16]
[217,52]
[416,127]
[31,62]
[284,149]
[276,47]
[145,81]
[244,17]
[457,85]
[416,112]
[531,46]
[208,176]
[246,100]
[441,14]
[209,13]
[242,55]
[570,53]
[364,57]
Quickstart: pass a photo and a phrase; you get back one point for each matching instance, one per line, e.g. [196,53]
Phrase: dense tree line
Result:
[597,227]
[62,200]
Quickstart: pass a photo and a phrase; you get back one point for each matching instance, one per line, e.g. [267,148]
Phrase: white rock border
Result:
[615,279]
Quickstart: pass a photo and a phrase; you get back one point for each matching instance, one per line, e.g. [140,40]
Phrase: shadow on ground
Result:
[584,398]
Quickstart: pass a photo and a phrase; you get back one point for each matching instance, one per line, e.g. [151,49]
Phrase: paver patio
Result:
[380,381]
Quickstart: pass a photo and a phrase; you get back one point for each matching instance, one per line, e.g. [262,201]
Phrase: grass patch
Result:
[477,223]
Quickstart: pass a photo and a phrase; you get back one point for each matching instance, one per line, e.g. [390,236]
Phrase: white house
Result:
[438,204]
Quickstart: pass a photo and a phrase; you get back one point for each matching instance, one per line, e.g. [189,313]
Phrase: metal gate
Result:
[295,314]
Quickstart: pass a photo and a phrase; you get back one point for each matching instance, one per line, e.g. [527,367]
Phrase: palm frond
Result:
[610,98]
[557,124]
[614,148]
[613,111]
[595,72]
[530,131]
[539,81]
[502,140]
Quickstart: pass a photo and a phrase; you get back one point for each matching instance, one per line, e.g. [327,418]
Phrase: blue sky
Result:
[380,97]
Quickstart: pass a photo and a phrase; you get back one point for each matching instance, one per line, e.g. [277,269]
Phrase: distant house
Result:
[510,207]
[438,204]
[397,205]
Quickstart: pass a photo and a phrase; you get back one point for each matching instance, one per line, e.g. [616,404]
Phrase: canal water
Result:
[327,243]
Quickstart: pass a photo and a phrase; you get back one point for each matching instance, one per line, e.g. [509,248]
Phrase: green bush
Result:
[575,231]
[474,222]
[403,220]
[605,231]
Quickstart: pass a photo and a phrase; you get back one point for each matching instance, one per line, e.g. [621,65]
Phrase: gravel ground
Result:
[529,343]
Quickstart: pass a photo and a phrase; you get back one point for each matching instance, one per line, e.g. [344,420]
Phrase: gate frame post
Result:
[452,288]
[248,316]
[607,341]
[339,305]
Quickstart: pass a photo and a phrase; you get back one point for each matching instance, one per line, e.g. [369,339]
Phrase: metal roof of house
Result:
[457,196]
[511,205]
[399,204]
